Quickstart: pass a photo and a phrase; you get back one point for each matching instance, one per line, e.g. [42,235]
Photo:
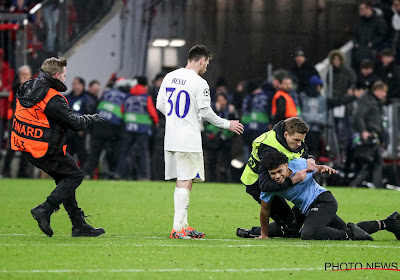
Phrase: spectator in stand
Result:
[255,114]
[24,75]
[389,72]
[139,113]
[369,33]
[51,16]
[283,105]
[339,82]
[77,101]
[221,86]
[366,76]
[93,97]
[109,133]
[19,6]
[218,142]
[302,70]
[315,106]
[157,142]
[153,90]
[343,77]
[6,79]
[239,95]
[368,123]
[396,28]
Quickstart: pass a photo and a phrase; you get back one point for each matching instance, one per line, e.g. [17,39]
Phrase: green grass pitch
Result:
[137,217]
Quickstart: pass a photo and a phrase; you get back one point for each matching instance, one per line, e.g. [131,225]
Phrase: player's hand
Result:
[311,166]
[236,127]
[299,176]
[97,119]
[327,169]
[262,237]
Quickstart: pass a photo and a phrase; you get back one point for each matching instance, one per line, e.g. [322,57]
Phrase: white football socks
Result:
[181,203]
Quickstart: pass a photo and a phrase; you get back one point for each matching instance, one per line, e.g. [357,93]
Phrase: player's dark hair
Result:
[198,52]
[295,124]
[274,159]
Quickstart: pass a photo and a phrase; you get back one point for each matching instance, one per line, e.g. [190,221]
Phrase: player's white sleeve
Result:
[160,104]
[209,115]
[203,98]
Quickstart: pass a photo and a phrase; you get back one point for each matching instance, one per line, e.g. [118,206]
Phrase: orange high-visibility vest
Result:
[291,109]
[31,130]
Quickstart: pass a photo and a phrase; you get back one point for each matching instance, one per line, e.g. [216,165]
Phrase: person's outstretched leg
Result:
[322,223]
[391,224]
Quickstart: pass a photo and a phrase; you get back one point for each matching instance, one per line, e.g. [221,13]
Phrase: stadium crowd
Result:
[349,101]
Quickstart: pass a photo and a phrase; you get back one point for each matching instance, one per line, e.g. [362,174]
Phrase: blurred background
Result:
[325,54]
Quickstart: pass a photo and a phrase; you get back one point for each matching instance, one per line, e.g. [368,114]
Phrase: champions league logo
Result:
[206,92]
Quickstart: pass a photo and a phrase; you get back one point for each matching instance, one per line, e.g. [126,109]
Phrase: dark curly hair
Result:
[274,160]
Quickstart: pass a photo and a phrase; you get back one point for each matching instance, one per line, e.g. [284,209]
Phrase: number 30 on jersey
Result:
[183,94]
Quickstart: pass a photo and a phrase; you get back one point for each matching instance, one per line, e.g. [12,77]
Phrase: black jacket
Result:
[265,182]
[59,114]
[370,30]
[303,75]
[368,116]
[390,75]
[366,82]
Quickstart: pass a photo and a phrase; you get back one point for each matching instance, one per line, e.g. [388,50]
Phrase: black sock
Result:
[370,226]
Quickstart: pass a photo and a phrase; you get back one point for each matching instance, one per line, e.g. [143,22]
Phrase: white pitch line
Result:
[238,246]
[163,270]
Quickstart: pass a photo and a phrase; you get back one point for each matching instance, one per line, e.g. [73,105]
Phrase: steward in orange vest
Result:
[41,119]
[283,107]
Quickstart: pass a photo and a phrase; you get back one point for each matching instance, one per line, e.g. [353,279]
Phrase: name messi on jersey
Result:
[178,81]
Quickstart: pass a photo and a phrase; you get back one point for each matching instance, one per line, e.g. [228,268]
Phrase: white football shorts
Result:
[184,166]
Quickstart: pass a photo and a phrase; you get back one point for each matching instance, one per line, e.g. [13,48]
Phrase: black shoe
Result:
[244,233]
[86,231]
[357,233]
[393,224]
[82,229]
[42,216]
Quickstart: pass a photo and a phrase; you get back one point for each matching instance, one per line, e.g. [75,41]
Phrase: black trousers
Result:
[67,175]
[76,145]
[285,218]
[322,223]
[105,136]
[157,154]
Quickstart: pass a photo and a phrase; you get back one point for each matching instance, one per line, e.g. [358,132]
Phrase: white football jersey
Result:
[184,93]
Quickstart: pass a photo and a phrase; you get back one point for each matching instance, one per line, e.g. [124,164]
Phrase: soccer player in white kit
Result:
[184,98]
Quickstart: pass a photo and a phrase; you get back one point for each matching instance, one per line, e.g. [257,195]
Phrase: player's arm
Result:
[325,169]
[209,115]
[203,101]
[265,213]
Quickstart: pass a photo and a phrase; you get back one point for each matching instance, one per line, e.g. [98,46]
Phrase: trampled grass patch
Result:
[137,217]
